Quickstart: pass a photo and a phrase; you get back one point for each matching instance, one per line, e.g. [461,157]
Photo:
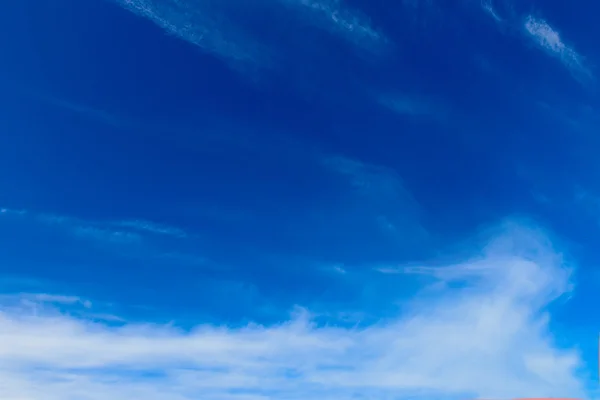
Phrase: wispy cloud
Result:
[489,339]
[105,235]
[367,178]
[86,111]
[200,24]
[350,24]
[489,8]
[151,227]
[543,35]
[207,26]
[63,300]
[10,211]
[87,229]
[382,192]
[550,40]
[126,231]
[414,106]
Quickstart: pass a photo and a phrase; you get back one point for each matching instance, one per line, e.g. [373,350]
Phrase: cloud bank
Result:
[488,337]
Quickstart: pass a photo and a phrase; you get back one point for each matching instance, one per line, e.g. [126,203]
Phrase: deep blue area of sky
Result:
[105,117]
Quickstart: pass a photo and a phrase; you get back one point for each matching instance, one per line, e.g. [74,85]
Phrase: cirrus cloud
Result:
[551,41]
[489,337]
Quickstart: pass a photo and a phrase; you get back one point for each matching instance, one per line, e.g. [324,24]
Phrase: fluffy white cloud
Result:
[485,337]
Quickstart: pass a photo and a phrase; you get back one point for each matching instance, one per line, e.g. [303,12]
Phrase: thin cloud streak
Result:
[40,299]
[126,231]
[545,37]
[550,40]
[488,339]
[201,27]
[487,7]
[208,28]
[367,178]
[333,16]
[414,106]
[395,211]
[89,229]
[152,227]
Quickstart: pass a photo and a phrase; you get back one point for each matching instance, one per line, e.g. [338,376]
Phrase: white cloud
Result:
[488,7]
[213,27]
[489,338]
[33,300]
[125,231]
[349,24]
[197,23]
[152,227]
[550,40]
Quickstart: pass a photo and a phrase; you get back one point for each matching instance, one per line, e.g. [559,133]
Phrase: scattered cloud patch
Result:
[487,339]
[550,40]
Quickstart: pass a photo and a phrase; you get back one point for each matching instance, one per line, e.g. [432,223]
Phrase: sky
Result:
[299,199]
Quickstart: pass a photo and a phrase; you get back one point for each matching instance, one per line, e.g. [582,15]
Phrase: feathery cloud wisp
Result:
[395,210]
[488,8]
[489,338]
[151,227]
[367,178]
[126,231]
[414,106]
[349,24]
[549,40]
[193,22]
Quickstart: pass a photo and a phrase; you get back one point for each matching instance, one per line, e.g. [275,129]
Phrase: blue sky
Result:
[294,199]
